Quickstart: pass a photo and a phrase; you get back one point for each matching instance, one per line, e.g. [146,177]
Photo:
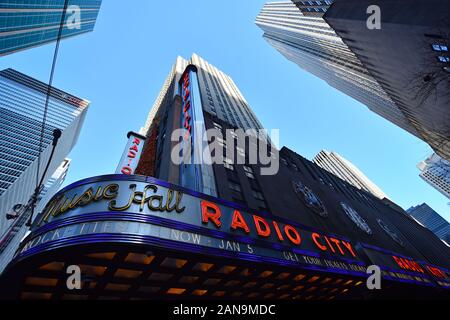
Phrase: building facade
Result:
[11,238]
[53,184]
[436,172]
[27,24]
[212,94]
[298,233]
[344,169]
[316,8]
[432,220]
[314,46]
[22,101]
[331,40]
[416,82]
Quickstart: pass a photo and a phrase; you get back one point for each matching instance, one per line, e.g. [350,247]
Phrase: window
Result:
[444,59]
[439,47]
[220,141]
[234,186]
[284,161]
[446,69]
[249,172]
[228,163]
[217,126]
[258,195]
[240,151]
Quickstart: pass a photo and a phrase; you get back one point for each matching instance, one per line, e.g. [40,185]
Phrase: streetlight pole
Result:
[56,135]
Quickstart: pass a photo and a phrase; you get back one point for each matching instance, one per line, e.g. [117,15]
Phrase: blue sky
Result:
[121,66]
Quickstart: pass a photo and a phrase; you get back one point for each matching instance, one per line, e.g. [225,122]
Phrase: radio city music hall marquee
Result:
[134,205]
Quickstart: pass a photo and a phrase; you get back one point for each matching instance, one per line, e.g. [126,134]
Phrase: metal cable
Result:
[47,98]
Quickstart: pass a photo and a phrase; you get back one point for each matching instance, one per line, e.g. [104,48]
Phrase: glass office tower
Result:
[306,39]
[22,101]
[30,23]
[436,172]
[11,238]
[432,220]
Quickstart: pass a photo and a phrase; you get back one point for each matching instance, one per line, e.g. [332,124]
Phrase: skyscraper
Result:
[10,239]
[22,101]
[314,46]
[316,8]
[344,169]
[218,93]
[417,82]
[26,24]
[212,95]
[432,220]
[53,184]
[331,39]
[436,172]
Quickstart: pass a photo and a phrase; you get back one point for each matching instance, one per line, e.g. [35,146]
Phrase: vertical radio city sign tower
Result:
[196,96]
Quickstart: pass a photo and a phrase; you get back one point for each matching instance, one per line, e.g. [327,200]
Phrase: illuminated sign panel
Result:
[132,154]
[187,110]
[143,210]
[168,212]
[195,171]
[405,268]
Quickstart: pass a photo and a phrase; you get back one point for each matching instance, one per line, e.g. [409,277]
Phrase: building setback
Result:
[22,101]
[27,24]
[344,169]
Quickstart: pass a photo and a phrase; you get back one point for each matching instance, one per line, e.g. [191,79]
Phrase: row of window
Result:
[236,187]
[439,47]
[230,113]
[330,181]
[443,49]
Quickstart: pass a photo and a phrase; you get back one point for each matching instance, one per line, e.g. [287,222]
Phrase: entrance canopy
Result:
[139,237]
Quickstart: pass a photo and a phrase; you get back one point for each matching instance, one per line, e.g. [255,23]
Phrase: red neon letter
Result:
[337,242]
[329,244]
[277,229]
[187,94]
[127,170]
[239,222]
[315,237]
[210,212]
[349,247]
[399,262]
[258,221]
[186,107]
[134,148]
[292,234]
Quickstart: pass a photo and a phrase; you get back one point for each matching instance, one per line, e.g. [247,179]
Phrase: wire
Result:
[47,98]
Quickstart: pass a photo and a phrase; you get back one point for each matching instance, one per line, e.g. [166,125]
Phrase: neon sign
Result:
[155,200]
[123,207]
[131,155]
[264,228]
[186,96]
[408,264]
